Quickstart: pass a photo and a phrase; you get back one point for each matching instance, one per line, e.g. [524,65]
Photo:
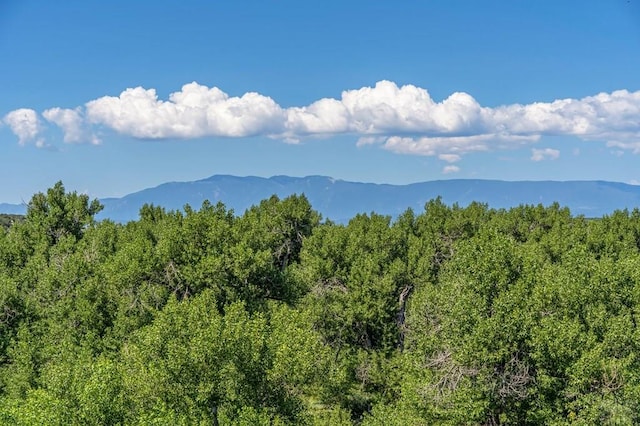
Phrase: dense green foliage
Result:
[6,220]
[450,316]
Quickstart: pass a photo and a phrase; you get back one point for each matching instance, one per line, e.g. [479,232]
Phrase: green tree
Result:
[194,362]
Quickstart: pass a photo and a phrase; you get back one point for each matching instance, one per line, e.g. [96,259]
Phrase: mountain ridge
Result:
[339,200]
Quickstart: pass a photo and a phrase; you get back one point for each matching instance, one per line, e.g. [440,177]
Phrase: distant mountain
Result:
[340,200]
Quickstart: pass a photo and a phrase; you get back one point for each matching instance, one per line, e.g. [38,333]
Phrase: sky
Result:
[112,97]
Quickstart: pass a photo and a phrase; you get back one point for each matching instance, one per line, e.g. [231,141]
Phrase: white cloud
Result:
[450,146]
[387,109]
[370,140]
[633,146]
[324,117]
[450,169]
[26,125]
[402,119]
[72,124]
[193,112]
[544,154]
[449,158]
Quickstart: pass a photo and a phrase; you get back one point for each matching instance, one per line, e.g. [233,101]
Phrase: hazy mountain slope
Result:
[340,200]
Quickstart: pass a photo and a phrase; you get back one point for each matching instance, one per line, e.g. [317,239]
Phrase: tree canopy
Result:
[451,315]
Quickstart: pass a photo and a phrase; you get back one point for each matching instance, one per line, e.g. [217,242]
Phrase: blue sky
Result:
[114,96]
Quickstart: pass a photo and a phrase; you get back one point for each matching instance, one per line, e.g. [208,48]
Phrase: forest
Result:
[275,316]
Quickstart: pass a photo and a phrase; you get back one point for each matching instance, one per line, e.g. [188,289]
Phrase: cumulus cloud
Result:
[387,109]
[72,124]
[26,125]
[195,111]
[450,169]
[544,154]
[403,119]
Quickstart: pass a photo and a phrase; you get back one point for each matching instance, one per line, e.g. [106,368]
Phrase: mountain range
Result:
[340,200]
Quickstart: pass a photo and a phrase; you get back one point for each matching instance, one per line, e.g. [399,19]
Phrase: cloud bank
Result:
[402,119]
